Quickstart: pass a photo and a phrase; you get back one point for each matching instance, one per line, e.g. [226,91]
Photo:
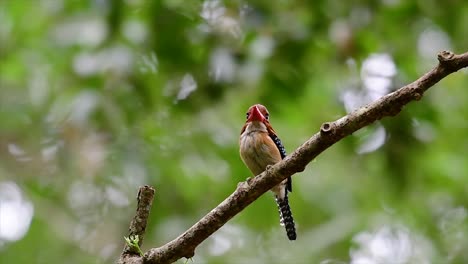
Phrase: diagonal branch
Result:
[330,133]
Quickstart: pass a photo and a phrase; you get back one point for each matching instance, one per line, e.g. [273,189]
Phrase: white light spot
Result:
[6,24]
[453,219]
[15,212]
[377,74]
[86,64]
[379,65]
[83,31]
[15,150]
[83,195]
[82,107]
[262,47]
[231,26]
[340,32]
[187,86]
[116,197]
[360,16]
[352,100]
[222,65]
[134,174]
[424,131]
[390,245]
[213,12]
[391,3]
[49,153]
[39,86]
[135,31]
[251,71]
[92,154]
[227,238]
[376,87]
[374,141]
[195,165]
[18,153]
[452,225]
[431,41]
[116,59]
[109,250]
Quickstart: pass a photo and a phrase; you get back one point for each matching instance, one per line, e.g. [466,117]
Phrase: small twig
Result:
[137,228]
[133,243]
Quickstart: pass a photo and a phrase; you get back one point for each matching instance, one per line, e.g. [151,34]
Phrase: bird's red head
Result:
[258,113]
[257,117]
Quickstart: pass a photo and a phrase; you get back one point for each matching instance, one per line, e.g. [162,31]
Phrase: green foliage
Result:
[100,97]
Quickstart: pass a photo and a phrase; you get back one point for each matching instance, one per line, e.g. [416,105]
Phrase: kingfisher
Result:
[260,147]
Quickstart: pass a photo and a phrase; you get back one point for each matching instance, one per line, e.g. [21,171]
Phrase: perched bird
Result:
[260,147]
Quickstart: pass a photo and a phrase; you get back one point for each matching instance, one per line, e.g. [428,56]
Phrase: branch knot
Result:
[445,56]
[326,128]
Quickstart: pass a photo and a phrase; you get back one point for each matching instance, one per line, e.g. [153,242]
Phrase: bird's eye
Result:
[247,115]
[267,116]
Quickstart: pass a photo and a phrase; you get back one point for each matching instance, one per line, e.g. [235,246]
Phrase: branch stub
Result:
[326,128]
[445,56]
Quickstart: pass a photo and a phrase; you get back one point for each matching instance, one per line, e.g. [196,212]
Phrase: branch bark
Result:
[138,224]
[330,133]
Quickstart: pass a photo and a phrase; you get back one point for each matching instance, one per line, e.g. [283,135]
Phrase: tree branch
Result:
[138,224]
[330,133]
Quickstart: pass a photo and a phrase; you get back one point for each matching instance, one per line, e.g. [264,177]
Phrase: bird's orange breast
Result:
[258,150]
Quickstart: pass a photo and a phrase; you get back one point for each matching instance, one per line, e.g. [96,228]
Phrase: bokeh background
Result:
[100,97]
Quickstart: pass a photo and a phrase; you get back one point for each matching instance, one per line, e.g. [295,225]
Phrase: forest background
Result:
[100,97]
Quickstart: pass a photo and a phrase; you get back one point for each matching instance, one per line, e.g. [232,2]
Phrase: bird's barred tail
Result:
[286,218]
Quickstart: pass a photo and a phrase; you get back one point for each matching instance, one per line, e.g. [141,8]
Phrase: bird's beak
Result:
[256,115]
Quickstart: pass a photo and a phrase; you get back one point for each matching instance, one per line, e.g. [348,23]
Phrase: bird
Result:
[259,147]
